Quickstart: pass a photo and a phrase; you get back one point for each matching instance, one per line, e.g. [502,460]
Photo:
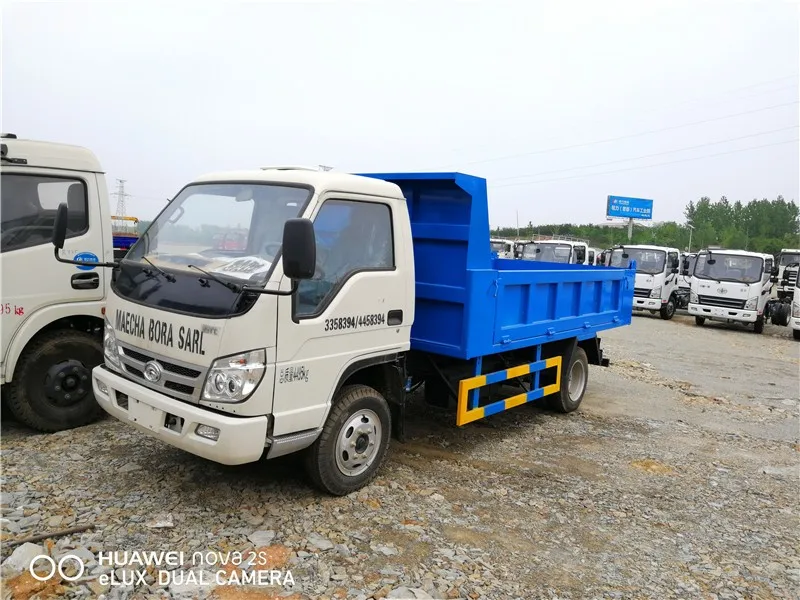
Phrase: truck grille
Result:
[722,302]
[641,292]
[179,380]
[791,278]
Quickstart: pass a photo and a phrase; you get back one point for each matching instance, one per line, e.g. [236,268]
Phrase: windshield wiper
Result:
[170,278]
[231,286]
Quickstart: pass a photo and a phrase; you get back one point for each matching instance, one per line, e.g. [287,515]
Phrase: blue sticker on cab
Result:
[86,257]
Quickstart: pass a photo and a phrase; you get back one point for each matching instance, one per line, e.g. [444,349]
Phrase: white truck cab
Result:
[555,251]
[731,286]
[787,257]
[52,313]
[794,321]
[501,247]
[657,271]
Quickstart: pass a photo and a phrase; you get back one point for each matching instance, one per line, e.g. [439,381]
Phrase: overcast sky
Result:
[163,93]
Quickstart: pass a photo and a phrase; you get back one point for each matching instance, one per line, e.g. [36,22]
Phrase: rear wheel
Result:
[353,443]
[758,326]
[52,386]
[699,321]
[668,310]
[574,380]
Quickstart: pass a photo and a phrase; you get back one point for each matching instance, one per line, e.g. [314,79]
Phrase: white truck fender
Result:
[38,321]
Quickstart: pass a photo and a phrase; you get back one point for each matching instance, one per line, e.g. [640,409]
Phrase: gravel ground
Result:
[677,478]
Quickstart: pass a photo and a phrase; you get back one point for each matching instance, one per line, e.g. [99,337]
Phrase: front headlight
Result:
[751,304]
[234,378]
[111,350]
[693,297]
[796,310]
[655,292]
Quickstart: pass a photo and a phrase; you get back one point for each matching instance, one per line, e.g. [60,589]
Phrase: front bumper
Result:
[720,313]
[646,303]
[241,439]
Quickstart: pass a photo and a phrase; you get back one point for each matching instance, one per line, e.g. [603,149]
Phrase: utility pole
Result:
[691,229]
[630,230]
[121,195]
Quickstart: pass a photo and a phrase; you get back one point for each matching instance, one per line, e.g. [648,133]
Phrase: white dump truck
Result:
[348,293]
[732,286]
[52,313]
[657,272]
[555,251]
[502,248]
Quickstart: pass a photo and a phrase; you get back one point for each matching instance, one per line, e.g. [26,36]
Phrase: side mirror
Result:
[774,279]
[775,270]
[674,269]
[60,226]
[299,249]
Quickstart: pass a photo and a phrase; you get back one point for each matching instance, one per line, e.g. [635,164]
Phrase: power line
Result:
[611,162]
[646,166]
[631,135]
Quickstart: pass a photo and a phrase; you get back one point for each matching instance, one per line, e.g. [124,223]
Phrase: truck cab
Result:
[794,320]
[731,286]
[787,257]
[52,313]
[502,248]
[657,271]
[555,251]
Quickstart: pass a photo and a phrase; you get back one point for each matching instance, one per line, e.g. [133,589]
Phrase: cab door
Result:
[671,279]
[357,307]
[31,277]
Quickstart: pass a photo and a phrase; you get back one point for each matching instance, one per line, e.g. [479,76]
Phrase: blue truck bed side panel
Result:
[469,304]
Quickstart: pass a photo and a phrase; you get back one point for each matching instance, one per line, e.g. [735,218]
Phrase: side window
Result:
[673,261]
[767,268]
[28,206]
[591,257]
[580,254]
[352,236]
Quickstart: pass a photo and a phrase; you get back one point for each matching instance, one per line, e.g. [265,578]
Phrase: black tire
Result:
[781,314]
[668,310]
[758,326]
[37,400]
[796,334]
[564,401]
[699,321]
[323,465]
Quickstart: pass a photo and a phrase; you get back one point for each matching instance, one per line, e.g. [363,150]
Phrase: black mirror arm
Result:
[67,261]
[252,290]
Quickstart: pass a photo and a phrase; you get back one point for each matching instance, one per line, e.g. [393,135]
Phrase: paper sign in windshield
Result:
[244,267]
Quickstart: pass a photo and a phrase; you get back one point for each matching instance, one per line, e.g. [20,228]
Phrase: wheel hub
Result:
[67,383]
[358,442]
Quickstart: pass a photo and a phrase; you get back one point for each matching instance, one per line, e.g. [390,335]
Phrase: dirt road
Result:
[677,478]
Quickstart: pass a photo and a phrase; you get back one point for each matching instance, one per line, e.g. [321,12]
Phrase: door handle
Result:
[394,317]
[85,281]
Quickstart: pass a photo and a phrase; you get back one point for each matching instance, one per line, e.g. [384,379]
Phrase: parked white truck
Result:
[52,313]
[732,286]
[794,320]
[502,248]
[349,293]
[555,251]
[657,272]
[787,257]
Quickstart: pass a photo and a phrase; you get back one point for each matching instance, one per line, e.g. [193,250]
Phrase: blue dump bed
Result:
[470,304]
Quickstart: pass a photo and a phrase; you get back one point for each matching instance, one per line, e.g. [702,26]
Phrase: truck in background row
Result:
[682,294]
[787,257]
[794,320]
[731,286]
[352,292]
[657,272]
[556,251]
[502,248]
[52,313]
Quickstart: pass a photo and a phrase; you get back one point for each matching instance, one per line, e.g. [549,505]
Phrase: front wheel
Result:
[52,386]
[758,326]
[353,443]
[668,310]
[574,380]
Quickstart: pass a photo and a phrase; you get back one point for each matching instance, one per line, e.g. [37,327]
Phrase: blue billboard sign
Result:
[629,208]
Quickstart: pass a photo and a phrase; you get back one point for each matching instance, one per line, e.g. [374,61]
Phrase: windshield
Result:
[788,259]
[498,246]
[233,231]
[230,229]
[647,261]
[729,267]
[557,253]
